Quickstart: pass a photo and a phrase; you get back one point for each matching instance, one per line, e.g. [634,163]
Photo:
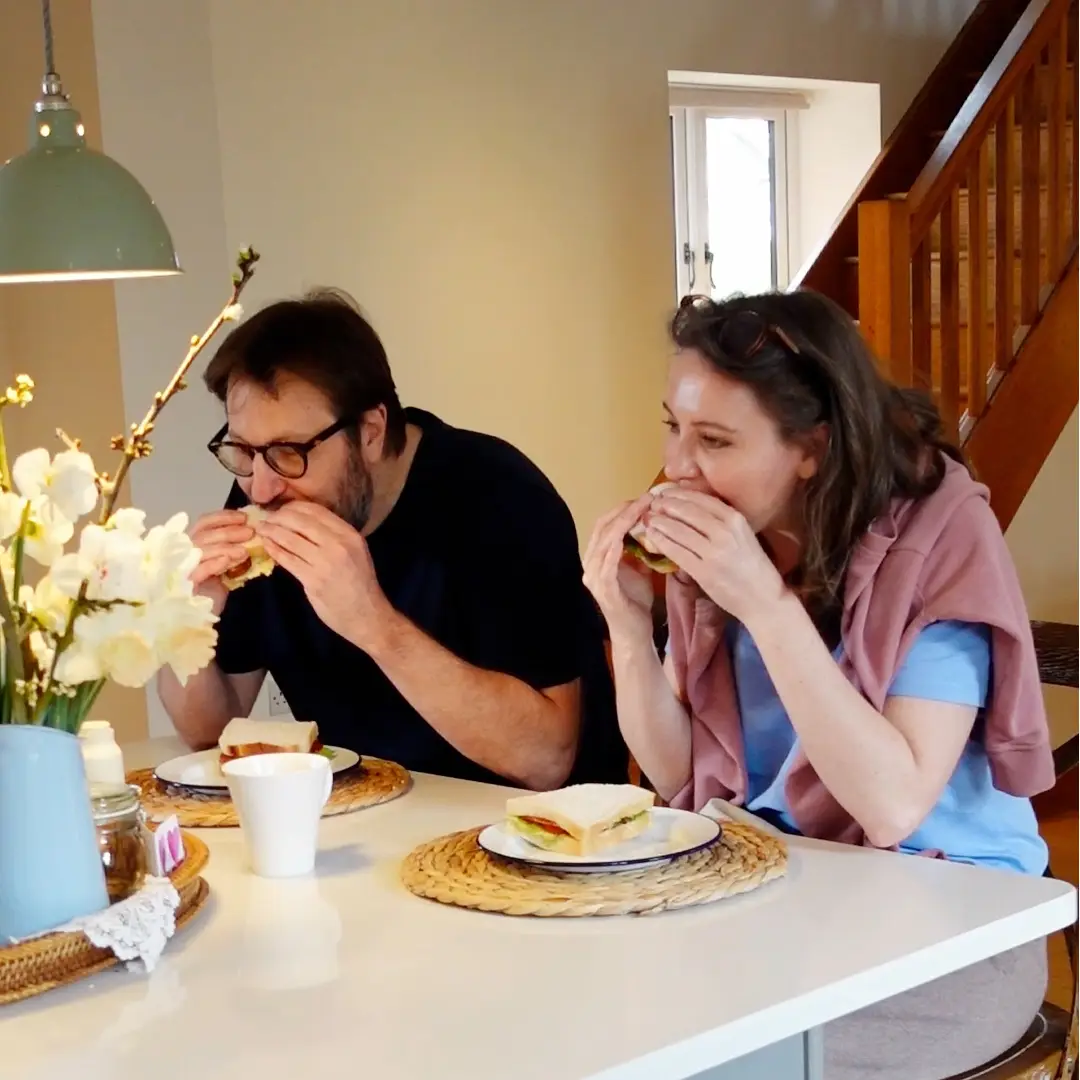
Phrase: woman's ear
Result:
[815,446]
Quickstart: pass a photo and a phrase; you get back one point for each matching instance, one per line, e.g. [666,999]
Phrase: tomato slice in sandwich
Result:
[547,826]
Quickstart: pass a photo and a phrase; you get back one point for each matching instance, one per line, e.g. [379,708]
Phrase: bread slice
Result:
[258,563]
[245,736]
[582,819]
[636,544]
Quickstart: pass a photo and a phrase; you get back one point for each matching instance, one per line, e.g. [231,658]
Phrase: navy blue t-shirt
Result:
[480,553]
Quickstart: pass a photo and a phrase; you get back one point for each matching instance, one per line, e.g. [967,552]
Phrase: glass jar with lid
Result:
[118,818]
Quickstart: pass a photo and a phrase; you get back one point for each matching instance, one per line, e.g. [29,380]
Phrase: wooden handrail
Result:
[906,147]
[951,160]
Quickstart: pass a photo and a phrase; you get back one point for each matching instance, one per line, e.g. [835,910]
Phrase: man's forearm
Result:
[201,709]
[654,723]
[494,719]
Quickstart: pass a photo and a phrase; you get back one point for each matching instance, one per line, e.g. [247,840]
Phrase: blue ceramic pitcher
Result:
[50,864]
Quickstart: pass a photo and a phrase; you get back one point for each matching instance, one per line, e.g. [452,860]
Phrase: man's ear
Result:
[371,434]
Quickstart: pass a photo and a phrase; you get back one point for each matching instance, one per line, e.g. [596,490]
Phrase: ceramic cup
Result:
[279,800]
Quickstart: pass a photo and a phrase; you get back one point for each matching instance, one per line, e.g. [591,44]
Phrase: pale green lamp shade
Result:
[69,213]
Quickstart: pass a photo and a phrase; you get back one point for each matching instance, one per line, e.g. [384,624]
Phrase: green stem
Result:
[5,472]
[14,705]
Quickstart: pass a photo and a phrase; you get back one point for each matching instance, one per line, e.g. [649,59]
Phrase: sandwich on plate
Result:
[245,737]
[258,563]
[636,543]
[582,819]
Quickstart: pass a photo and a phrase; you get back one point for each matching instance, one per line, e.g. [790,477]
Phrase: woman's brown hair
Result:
[810,368]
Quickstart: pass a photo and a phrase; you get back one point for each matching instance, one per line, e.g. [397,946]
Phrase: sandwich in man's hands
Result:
[245,736]
[582,819]
[258,561]
[636,543]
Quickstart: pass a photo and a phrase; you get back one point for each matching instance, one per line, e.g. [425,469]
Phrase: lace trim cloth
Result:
[136,929]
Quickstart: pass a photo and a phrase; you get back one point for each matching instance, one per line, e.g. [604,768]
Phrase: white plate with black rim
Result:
[201,772]
[671,833]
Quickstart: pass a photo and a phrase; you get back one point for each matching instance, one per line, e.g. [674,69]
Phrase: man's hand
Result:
[220,536]
[331,561]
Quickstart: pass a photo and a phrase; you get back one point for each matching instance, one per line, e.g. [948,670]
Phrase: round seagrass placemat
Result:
[371,782]
[44,963]
[455,870]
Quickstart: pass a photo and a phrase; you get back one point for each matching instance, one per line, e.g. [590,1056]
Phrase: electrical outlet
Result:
[278,704]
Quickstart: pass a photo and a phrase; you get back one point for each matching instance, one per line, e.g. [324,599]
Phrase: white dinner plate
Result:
[203,770]
[671,833]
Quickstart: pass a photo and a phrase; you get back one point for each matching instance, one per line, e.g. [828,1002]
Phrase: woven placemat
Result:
[45,963]
[456,870]
[372,782]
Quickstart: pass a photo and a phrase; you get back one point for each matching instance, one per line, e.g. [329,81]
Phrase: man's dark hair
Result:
[324,339]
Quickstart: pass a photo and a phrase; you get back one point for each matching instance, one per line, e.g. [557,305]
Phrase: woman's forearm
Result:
[654,723]
[865,762]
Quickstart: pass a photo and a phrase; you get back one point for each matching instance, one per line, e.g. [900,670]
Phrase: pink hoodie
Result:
[941,557]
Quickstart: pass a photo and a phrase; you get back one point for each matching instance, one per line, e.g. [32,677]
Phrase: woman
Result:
[849,655]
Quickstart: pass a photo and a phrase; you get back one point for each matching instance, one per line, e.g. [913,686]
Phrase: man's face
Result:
[338,474]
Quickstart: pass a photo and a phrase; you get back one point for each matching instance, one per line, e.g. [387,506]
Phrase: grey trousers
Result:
[945,1027]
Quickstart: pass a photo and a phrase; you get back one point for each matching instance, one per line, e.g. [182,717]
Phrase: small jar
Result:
[102,757]
[118,818]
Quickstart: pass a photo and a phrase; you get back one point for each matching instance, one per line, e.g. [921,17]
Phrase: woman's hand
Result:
[622,589]
[713,543]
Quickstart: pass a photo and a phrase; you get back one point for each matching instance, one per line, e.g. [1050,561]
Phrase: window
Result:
[731,183]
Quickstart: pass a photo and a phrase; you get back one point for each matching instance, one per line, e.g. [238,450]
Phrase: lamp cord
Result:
[50,67]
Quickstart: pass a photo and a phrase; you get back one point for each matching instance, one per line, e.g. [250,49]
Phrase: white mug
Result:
[279,800]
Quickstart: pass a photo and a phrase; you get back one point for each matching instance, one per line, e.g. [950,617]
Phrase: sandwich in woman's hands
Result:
[637,544]
[245,737]
[258,561]
[582,819]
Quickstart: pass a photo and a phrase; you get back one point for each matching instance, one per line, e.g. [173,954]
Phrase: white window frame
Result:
[689,109]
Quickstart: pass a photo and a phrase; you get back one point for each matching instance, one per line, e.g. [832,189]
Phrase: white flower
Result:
[68,480]
[109,560]
[233,313]
[46,604]
[43,650]
[129,521]
[46,532]
[169,557]
[110,644]
[185,636]
[7,570]
[11,513]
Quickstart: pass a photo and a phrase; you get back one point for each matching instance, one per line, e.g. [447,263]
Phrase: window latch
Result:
[688,259]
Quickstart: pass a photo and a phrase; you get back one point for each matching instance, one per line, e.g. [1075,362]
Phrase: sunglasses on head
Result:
[740,333]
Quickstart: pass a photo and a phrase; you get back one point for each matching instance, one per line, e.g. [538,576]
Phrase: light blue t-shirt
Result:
[949,661]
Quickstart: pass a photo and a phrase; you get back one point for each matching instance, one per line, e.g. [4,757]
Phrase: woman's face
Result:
[722,442]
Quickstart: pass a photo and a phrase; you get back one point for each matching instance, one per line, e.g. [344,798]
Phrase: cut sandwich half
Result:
[637,545]
[258,562]
[245,736]
[583,819]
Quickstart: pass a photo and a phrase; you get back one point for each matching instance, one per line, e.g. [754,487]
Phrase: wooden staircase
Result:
[958,252]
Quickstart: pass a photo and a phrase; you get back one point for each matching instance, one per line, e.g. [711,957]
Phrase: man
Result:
[427,604]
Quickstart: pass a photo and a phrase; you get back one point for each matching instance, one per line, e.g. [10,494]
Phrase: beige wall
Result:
[1043,539]
[490,178]
[838,138]
[63,336]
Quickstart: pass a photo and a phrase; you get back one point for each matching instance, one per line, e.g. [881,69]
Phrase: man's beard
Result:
[355,493]
[353,499]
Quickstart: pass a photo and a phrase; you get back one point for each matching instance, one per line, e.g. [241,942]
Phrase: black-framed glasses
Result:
[288,459]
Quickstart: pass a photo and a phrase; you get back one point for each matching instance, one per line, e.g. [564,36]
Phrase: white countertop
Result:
[347,974]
